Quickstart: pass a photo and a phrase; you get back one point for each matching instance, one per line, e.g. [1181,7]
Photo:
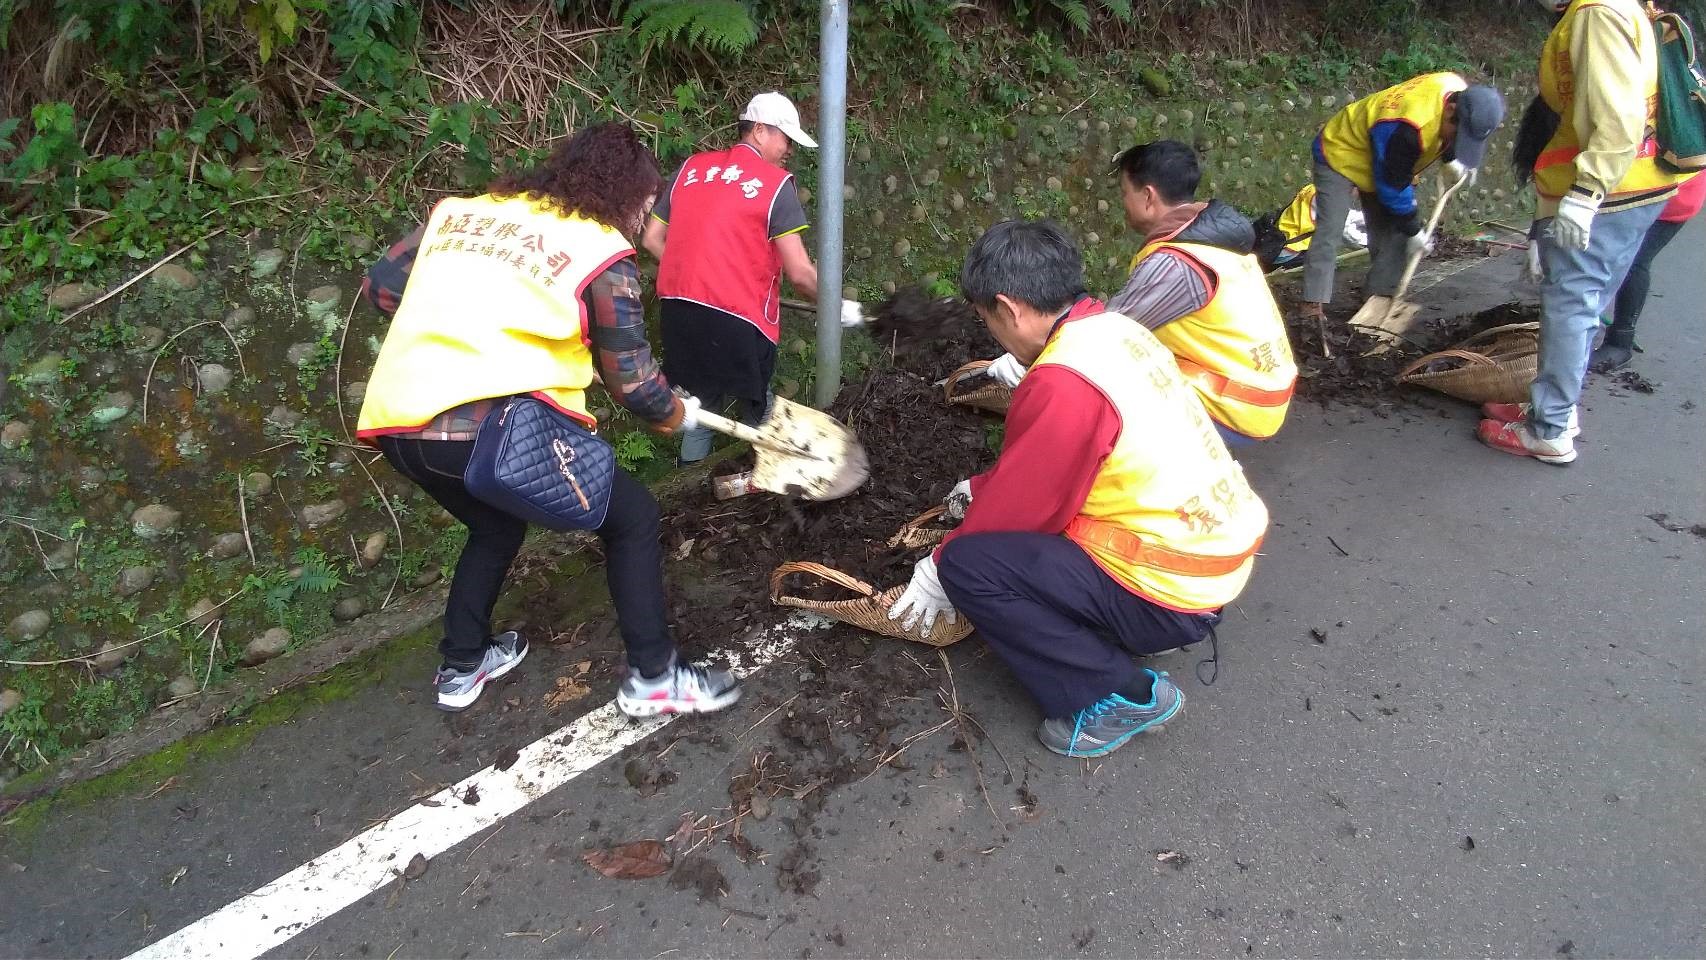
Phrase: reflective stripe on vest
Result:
[1235,349]
[718,251]
[1555,169]
[1420,102]
[1169,515]
[1124,543]
[1207,381]
[492,308]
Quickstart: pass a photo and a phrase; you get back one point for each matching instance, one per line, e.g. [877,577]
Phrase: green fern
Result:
[720,26]
[1076,12]
[1121,9]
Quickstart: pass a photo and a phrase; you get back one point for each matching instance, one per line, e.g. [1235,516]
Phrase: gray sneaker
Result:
[683,688]
[1105,726]
[458,689]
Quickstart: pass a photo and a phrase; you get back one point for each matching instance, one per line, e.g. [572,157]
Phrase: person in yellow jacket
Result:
[1114,521]
[1283,237]
[1197,286]
[527,289]
[1600,188]
[1377,147]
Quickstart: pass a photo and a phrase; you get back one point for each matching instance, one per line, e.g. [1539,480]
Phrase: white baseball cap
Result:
[778,111]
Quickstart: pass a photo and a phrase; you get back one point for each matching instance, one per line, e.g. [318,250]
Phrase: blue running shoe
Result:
[1105,726]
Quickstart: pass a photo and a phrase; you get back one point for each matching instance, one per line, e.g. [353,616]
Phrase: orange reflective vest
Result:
[1555,169]
[1234,350]
[493,307]
[1298,220]
[1419,102]
[1169,514]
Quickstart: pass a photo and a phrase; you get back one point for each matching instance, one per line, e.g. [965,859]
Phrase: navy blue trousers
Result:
[1065,628]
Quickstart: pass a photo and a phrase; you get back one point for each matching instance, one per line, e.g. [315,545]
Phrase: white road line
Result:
[273,914]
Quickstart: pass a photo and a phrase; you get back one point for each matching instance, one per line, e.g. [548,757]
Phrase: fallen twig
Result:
[91,656]
[149,378]
[243,514]
[103,298]
[951,701]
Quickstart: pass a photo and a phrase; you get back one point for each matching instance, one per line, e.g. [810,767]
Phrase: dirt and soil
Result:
[857,697]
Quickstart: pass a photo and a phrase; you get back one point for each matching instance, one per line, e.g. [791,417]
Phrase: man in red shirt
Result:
[1114,522]
[725,232]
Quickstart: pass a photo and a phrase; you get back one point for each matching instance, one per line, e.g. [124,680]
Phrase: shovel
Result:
[1389,317]
[801,451]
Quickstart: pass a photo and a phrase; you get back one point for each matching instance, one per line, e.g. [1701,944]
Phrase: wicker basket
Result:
[914,533]
[992,396]
[868,611]
[1496,365]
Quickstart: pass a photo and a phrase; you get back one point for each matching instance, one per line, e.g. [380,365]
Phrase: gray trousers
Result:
[1386,242]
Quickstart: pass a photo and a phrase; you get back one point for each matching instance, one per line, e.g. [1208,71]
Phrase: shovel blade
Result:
[1373,313]
[1401,317]
[808,453]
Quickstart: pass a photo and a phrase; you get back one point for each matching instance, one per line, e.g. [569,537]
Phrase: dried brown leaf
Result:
[640,860]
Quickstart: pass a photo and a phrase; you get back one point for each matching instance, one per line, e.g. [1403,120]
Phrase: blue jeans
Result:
[696,443]
[1577,284]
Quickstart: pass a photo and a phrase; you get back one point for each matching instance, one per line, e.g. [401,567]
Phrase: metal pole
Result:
[832,174]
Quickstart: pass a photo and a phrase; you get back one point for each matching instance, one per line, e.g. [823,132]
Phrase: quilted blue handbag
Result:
[536,463]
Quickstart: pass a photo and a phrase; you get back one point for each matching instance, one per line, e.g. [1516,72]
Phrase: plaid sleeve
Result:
[385,280]
[617,329]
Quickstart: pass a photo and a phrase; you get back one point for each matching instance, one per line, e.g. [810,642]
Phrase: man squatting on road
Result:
[1113,523]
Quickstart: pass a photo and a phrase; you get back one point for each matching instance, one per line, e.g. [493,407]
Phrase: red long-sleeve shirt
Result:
[1060,428]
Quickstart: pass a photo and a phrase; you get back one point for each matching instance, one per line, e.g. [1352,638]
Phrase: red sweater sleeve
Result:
[1059,431]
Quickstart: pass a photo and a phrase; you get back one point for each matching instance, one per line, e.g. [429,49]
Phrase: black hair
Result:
[1167,165]
[743,128]
[1034,262]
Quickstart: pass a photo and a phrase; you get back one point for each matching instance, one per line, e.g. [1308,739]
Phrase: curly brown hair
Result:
[602,172]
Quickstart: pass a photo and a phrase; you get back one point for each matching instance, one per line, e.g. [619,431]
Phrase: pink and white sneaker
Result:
[682,688]
[1518,440]
[1515,412]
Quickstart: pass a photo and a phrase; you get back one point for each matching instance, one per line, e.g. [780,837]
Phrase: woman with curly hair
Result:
[527,289]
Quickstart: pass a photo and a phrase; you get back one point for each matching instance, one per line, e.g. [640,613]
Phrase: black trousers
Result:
[633,556]
[1065,628]
[1632,296]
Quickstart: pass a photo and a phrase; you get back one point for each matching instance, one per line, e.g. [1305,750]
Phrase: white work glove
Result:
[689,413]
[1006,370]
[852,313]
[1356,228]
[1459,172]
[1574,222]
[923,599]
[958,501]
[1531,270]
[1422,244]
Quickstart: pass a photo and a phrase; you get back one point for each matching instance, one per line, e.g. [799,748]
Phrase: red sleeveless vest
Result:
[718,251]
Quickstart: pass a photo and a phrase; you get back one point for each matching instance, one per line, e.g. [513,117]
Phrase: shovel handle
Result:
[1433,223]
[733,428]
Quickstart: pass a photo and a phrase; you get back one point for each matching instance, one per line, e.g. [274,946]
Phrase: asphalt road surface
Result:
[1459,713]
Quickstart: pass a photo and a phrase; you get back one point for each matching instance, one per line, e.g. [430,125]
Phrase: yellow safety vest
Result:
[492,308]
[1298,220]
[1555,169]
[1419,102]
[1169,515]
[1234,350]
